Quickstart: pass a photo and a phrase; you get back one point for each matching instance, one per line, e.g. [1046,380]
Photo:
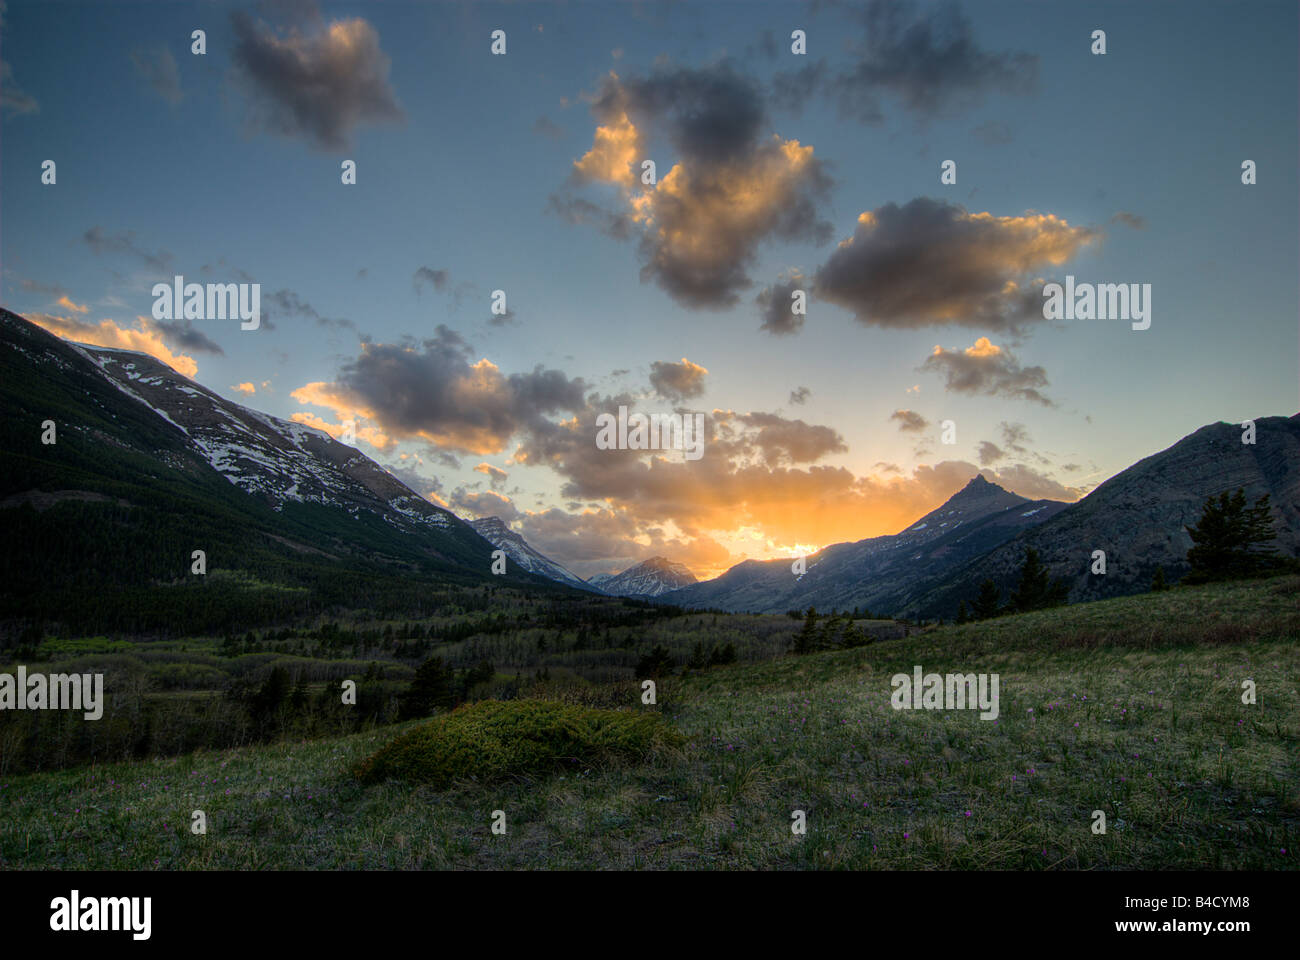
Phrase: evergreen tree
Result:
[1158,581]
[658,662]
[1231,539]
[1036,588]
[698,660]
[988,601]
[962,615]
[805,640]
[430,689]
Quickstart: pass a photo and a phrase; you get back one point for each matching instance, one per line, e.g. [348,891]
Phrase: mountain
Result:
[1139,517]
[882,574]
[148,466]
[518,550]
[651,578]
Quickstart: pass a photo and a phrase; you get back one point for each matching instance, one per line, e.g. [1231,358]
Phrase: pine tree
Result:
[805,640]
[988,601]
[1158,581]
[1231,539]
[962,615]
[430,689]
[1036,588]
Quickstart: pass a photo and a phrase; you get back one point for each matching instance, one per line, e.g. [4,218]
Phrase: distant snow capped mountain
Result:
[519,551]
[654,577]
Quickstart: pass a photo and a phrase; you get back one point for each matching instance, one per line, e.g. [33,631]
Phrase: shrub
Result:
[495,739]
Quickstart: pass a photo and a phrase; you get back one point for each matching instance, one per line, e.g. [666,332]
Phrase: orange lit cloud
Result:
[144,338]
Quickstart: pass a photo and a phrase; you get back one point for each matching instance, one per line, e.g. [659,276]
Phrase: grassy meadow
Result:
[1130,706]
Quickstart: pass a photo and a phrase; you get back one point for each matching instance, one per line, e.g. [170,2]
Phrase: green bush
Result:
[494,739]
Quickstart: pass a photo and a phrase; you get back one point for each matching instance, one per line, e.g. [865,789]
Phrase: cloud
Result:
[486,503]
[731,188]
[144,338]
[985,368]
[929,61]
[1014,437]
[66,303]
[931,263]
[1028,482]
[287,303]
[181,333]
[909,421]
[316,82]
[776,304]
[784,441]
[1129,220]
[431,391]
[158,68]
[677,381]
[246,388]
[992,133]
[426,487]
[989,453]
[124,243]
[14,101]
[438,278]
[496,476]
[546,127]
[800,395]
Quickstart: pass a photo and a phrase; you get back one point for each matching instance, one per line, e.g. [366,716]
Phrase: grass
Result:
[1130,706]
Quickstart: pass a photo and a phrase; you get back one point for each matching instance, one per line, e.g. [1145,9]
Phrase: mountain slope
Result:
[880,573]
[650,578]
[148,467]
[494,530]
[1139,516]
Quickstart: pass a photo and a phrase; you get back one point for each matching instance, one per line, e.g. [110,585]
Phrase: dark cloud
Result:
[928,60]
[1015,437]
[183,336]
[775,305]
[414,479]
[287,303]
[581,212]
[13,100]
[909,421]
[1129,220]
[993,133]
[1030,483]
[784,441]
[315,82]
[677,381]
[733,186]
[800,395]
[431,390]
[931,263]
[486,503]
[158,68]
[989,453]
[124,243]
[438,278]
[990,370]
[546,127]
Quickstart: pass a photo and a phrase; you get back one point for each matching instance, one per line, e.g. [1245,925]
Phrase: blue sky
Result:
[463,159]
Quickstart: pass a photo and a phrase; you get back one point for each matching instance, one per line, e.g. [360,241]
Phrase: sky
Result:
[775,172]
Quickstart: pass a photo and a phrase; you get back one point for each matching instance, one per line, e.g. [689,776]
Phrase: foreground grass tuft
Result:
[495,739]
